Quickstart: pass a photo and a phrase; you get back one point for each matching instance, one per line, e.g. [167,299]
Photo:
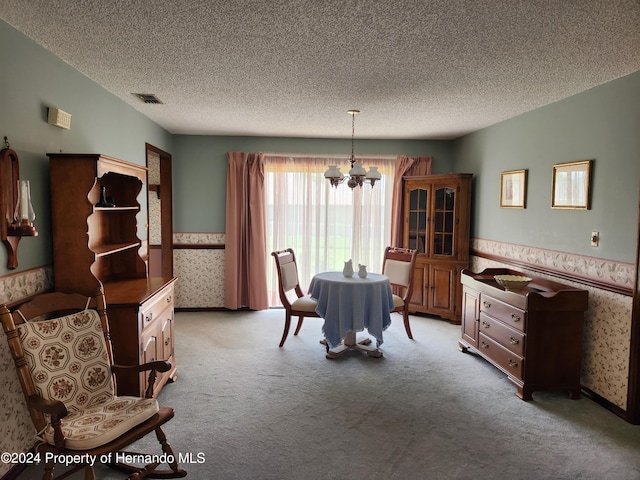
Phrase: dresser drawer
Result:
[508,337]
[505,359]
[507,313]
[153,308]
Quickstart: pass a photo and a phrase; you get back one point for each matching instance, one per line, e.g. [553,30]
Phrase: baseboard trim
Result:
[209,309]
[14,472]
[603,402]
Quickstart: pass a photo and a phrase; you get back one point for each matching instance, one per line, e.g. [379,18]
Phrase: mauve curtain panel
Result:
[245,276]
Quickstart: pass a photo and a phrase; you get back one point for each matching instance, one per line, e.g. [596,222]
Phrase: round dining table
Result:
[349,305]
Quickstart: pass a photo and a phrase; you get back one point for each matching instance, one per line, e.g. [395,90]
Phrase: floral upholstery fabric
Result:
[68,359]
[95,426]
[69,362]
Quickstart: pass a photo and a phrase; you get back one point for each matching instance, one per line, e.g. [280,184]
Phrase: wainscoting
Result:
[16,429]
[607,335]
[198,263]
[199,266]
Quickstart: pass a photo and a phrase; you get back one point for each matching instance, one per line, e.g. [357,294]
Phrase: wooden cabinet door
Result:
[470,316]
[416,217]
[418,299]
[440,294]
[444,219]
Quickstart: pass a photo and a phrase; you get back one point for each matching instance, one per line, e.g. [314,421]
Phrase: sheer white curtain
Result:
[325,226]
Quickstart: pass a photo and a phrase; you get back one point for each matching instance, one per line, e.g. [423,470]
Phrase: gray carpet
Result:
[424,411]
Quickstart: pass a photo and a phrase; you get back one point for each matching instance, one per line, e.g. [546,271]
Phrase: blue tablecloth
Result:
[352,304]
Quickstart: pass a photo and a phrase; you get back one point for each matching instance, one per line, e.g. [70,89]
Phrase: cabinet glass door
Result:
[418,219]
[444,218]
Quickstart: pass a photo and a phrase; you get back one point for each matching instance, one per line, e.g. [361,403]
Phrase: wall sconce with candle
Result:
[15,205]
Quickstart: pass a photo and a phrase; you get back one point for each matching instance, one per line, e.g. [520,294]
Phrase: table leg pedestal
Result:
[353,343]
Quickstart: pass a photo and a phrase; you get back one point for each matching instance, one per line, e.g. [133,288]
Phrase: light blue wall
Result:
[31,80]
[602,124]
[200,168]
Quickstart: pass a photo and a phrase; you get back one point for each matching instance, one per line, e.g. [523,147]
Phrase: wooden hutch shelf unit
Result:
[436,224]
[98,246]
[534,336]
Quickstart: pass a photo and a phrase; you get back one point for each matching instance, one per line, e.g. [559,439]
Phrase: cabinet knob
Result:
[149,317]
[167,341]
[486,304]
[485,345]
[513,363]
[514,341]
[485,324]
[169,299]
[515,318]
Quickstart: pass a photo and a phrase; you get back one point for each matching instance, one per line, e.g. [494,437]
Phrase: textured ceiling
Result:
[422,69]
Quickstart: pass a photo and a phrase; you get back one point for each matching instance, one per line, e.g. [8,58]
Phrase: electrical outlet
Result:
[595,238]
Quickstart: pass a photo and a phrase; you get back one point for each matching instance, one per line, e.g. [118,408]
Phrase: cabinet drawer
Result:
[508,314]
[152,309]
[508,337]
[505,359]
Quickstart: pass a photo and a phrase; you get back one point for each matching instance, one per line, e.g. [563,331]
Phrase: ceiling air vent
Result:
[147,97]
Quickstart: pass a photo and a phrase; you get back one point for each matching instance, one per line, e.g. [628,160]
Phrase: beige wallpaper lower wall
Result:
[200,271]
[16,430]
[200,284]
[607,334]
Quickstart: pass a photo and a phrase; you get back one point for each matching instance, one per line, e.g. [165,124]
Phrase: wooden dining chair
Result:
[299,305]
[399,265]
[61,347]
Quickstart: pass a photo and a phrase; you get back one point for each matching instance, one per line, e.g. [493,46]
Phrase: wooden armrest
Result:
[153,367]
[158,365]
[55,408]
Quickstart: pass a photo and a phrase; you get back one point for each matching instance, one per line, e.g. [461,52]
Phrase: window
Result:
[325,226]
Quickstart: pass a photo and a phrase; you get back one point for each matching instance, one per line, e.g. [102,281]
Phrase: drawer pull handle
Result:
[149,317]
[485,345]
[486,324]
[486,304]
[513,363]
[167,341]
[169,299]
[514,341]
[515,318]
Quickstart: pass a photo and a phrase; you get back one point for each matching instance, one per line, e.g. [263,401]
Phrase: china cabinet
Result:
[534,335]
[436,223]
[98,224]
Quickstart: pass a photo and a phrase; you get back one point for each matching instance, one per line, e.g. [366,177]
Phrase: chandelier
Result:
[358,174]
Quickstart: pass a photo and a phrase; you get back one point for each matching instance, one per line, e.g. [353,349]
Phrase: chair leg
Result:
[89,473]
[405,316]
[287,325]
[300,319]
[166,448]
[48,471]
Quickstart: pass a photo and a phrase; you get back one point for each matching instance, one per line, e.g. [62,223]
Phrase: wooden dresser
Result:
[98,244]
[534,336]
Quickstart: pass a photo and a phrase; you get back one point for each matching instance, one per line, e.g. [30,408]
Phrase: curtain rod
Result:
[345,156]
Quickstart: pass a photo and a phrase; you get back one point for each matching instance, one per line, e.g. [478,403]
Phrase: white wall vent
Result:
[59,118]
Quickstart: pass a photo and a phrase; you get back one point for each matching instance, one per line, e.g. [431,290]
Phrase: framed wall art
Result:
[571,185]
[513,189]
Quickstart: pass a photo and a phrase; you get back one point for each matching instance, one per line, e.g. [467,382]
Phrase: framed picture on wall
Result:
[513,189]
[571,185]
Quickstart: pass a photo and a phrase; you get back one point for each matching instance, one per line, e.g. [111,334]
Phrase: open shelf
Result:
[115,209]
[108,249]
